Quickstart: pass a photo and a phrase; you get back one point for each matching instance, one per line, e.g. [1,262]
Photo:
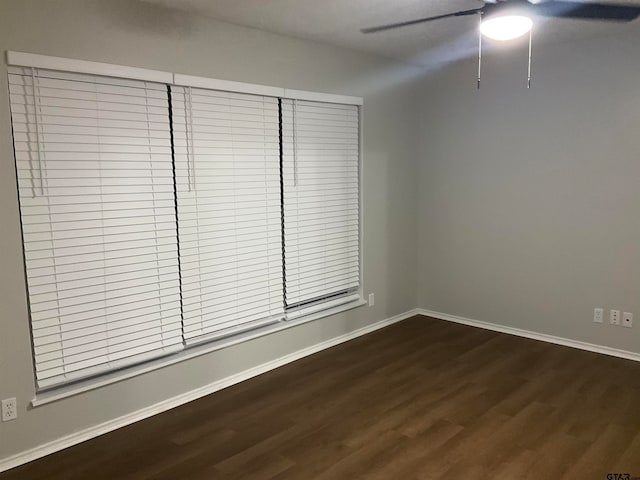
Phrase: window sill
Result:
[51,396]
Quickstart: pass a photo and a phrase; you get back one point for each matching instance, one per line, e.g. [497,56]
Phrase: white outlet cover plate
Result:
[627,319]
[598,315]
[614,317]
[9,409]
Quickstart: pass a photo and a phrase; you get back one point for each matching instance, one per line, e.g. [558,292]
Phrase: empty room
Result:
[319,240]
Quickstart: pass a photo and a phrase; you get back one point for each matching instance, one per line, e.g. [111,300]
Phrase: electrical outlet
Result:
[372,300]
[598,315]
[627,319]
[9,410]
[614,317]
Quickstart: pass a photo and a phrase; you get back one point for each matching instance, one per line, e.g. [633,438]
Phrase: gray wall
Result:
[133,33]
[530,199]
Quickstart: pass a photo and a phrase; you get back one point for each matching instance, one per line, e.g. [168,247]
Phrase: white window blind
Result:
[228,190]
[321,201]
[95,180]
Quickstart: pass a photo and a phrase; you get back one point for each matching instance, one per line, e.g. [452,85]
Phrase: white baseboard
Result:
[614,352]
[102,428]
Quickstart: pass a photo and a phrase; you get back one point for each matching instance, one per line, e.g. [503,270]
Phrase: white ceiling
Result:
[338,22]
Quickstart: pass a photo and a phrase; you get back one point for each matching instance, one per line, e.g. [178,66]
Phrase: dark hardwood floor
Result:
[422,399]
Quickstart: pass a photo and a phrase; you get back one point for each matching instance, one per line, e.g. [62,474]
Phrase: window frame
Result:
[311,308]
[321,309]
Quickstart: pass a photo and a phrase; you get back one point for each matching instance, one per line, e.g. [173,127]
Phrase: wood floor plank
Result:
[421,400]
[515,467]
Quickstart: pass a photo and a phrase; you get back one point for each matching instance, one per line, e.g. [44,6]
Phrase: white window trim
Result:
[22,59]
[322,97]
[226,85]
[332,307]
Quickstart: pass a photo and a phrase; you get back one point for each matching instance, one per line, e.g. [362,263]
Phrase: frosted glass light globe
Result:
[507,27]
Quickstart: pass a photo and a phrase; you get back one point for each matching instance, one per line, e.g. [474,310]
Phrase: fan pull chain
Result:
[529,69]
[479,49]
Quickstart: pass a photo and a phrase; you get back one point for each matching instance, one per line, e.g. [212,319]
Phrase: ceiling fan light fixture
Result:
[506,27]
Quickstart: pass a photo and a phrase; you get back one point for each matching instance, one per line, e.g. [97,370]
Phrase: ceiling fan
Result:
[510,19]
[552,8]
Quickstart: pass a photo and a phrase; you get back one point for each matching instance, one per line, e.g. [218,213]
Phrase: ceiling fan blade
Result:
[587,11]
[390,26]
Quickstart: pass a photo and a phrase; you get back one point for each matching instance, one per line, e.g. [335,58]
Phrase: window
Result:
[159,211]
[228,191]
[95,181]
[321,204]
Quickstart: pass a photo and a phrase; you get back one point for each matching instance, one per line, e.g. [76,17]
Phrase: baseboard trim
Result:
[614,352]
[102,428]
